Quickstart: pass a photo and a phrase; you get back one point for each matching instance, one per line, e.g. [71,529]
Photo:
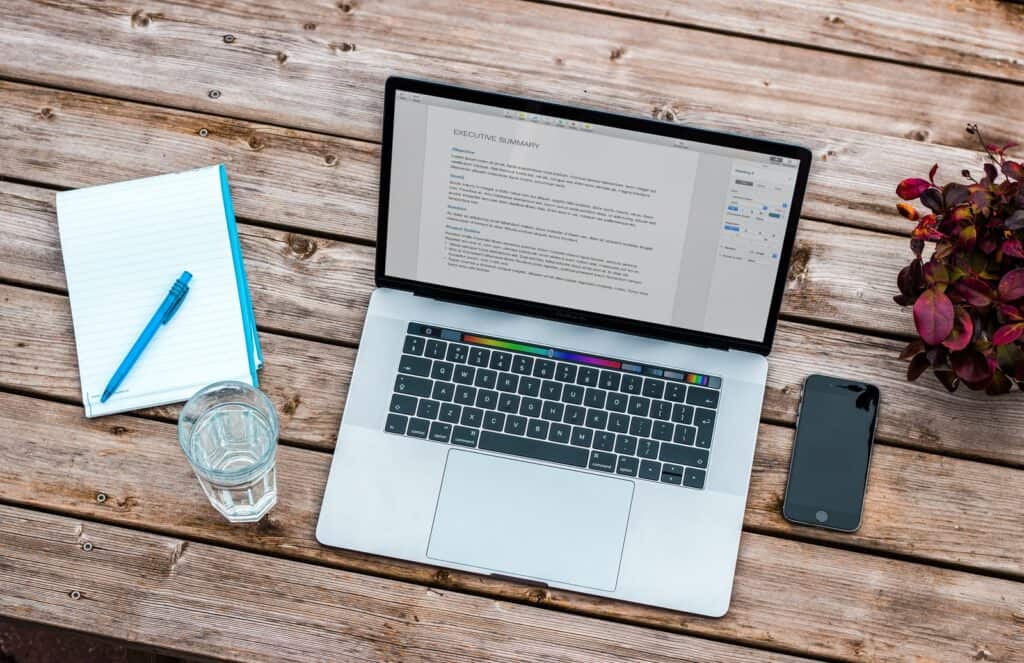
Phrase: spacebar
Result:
[527,448]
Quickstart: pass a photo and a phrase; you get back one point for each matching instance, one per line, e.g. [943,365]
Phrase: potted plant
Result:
[967,296]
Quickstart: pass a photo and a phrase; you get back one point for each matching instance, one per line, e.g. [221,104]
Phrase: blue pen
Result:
[162,316]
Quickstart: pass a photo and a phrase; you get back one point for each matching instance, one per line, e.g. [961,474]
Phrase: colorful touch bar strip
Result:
[507,345]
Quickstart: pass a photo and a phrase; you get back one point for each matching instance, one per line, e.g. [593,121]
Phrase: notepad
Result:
[124,245]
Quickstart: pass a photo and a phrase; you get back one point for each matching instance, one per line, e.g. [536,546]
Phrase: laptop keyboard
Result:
[553,405]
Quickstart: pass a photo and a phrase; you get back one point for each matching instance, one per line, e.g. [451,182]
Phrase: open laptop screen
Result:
[585,216]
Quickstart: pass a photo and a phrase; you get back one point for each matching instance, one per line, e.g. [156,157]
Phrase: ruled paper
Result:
[124,246]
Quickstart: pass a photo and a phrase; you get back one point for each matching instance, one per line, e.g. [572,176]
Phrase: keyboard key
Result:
[662,430]
[427,409]
[705,420]
[544,368]
[403,404]
[552,411]
[650,469]
[647,449]
[414,365]
[479,357]
[625,444]
[669,475]
[599,460]
[457,353]
[464,436]
[683,455]
[582,437]
[627,466]
[522,364]
[684,434]
[604,441]
[587,376]
[575,415]
[594,398]
[631,384]
[639,406]
[535,449]
[529,386]
[435,349]
[396,423]
[440,432]
[465,395]
[418,427]
[494,420]
[640,427]
[507,382]
[472,416]
[654,388]
[450,412]
[675,392]
[508,403]
[443,391]
[597,419]
[618,423]
[617,402]
[406,384]
[485,378]
[486,399]
[702,397]
[682,414]
[464,374]
[550,390]
[661,410]
[572,394]
[442,370]
[693,477]
[530,407]
[515,424]
[565,372]
[537,428]
[413,345]
[501,361]
[609,380]
[559,433]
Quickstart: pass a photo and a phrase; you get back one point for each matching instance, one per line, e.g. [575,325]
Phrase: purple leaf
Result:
[975,291]
[1011,286]
[933,316]
[1016,220]
[1008,334]
[917,366]
[990,172]
[963,331]
[1013,170]
[971,367]
[1012,247]
[931,199]
[913,348]
[955,194]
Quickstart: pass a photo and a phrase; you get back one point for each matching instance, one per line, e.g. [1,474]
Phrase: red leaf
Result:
[963,331]
[1013,170]
[931,173]
[933,316]
[1011,286]
[971,367]
[975,291]
[1011,312]
[911,188]
[1008,333]
[1012,247]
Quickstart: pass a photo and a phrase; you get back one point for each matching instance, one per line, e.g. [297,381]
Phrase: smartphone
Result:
[828,471]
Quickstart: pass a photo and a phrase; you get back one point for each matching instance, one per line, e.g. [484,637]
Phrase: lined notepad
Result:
[124,245]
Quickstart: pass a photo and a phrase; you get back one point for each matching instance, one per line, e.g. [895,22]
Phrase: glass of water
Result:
[228,432]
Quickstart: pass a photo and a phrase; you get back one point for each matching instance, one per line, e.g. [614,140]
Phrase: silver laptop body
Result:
[499,427]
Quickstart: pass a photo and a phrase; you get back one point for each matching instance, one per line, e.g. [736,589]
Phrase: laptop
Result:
[562,365]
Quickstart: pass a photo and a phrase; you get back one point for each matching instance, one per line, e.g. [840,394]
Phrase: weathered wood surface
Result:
[306,285]
[873,608]
[204,600]
[976,36]
[917,504]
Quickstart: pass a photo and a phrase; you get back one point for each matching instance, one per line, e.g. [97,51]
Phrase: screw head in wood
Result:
[87,547]
[75,595]
[229,39]
[101,497]
[213,94]
[203,133]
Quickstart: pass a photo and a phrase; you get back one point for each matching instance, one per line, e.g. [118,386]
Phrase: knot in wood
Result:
[302,247]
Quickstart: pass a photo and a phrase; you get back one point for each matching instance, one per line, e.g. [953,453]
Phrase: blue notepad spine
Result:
[252,341]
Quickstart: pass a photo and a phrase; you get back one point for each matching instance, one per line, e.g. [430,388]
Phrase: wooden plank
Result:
[315,181]
[202,600]
[314,297]
[980,37]
[875,608]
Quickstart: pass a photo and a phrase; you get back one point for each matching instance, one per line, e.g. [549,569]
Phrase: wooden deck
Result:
[288,95]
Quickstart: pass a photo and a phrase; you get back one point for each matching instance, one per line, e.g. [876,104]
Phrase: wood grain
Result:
[318,182]
[876,608]
[919,504]
[203,600]
[978,36]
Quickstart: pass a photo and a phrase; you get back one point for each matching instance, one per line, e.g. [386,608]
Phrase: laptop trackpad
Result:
[525,519]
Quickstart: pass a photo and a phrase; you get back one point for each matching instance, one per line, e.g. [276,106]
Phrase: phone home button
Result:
[821,516]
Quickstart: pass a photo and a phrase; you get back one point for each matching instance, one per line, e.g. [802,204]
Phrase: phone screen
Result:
[829,468]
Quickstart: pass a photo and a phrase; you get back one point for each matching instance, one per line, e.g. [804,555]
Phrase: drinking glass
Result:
[228,432]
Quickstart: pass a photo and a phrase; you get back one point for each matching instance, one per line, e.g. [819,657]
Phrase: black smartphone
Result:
[828,471]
